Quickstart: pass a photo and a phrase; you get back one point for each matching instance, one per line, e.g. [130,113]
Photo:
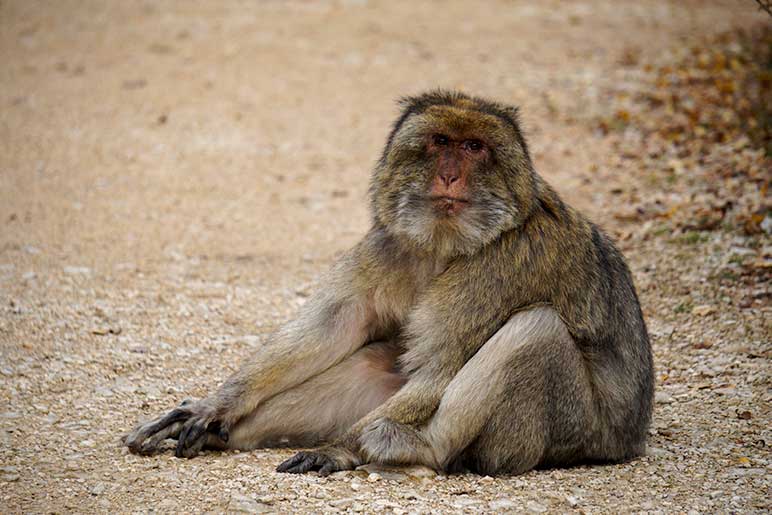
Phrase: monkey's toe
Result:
[304,462]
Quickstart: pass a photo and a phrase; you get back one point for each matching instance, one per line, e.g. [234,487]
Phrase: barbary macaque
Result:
[481,324]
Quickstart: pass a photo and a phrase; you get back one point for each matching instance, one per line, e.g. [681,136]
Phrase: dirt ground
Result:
[173,175]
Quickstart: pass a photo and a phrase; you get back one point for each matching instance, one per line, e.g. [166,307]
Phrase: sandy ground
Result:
[173,175]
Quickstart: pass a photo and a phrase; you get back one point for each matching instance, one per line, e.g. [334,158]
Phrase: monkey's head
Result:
[454,175]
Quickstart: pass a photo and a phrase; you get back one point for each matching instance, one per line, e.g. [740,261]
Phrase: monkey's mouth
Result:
[448,205]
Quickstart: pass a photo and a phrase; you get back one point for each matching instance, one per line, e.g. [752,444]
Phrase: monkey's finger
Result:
[223,435]
[183,437]
[194,447]
[175,415]
[192,438]
[150,445]
[136,439]
[218,429]
[328,468]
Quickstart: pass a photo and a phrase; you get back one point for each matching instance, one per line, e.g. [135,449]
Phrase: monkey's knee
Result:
[535,398]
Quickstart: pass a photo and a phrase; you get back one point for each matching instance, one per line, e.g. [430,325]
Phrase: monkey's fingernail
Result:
[224,435]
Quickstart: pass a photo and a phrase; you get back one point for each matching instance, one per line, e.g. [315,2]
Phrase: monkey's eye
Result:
[473,145]
[440,139]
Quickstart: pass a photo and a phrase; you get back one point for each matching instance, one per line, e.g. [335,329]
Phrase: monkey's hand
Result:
[325,460]
[193,424]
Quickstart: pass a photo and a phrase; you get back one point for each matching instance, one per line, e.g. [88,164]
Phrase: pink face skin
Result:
[455,158]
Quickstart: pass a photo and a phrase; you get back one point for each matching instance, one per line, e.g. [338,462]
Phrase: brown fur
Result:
[489,287]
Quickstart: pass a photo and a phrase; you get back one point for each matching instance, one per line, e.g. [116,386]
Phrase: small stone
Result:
[98,489]
[766,224]
[167,505]
[150,390]
[464,502]
[703,310]
[385,503]
[535,507]
[741,251]
[342,503]
[240,503]
[502,504]
[373,477]
[103,391]
[663,398]
[656,452]
[10,478]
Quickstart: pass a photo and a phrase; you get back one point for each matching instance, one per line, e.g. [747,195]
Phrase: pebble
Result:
[535,507]
[396,473]
[703,310]
[342,503]
[385,503]
[502,504]
[572,501]
[240,503]
[657,452]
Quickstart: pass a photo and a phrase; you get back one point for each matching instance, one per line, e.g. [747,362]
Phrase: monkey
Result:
[482,324]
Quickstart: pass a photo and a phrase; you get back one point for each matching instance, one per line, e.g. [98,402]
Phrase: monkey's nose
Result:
[448,179]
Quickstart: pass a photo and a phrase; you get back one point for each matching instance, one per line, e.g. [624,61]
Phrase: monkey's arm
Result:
[331,326]
[449,324]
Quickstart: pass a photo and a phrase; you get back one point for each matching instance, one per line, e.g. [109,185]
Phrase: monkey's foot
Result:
[386,441]
[192,424]
[325,460]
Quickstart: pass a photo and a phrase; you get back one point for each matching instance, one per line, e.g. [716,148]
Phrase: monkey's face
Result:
[452,177]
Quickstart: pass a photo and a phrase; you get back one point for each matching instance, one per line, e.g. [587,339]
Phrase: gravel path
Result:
[174,175]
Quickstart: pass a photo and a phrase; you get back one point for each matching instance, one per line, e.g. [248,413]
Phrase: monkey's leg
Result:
[324,407]
[523,398]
